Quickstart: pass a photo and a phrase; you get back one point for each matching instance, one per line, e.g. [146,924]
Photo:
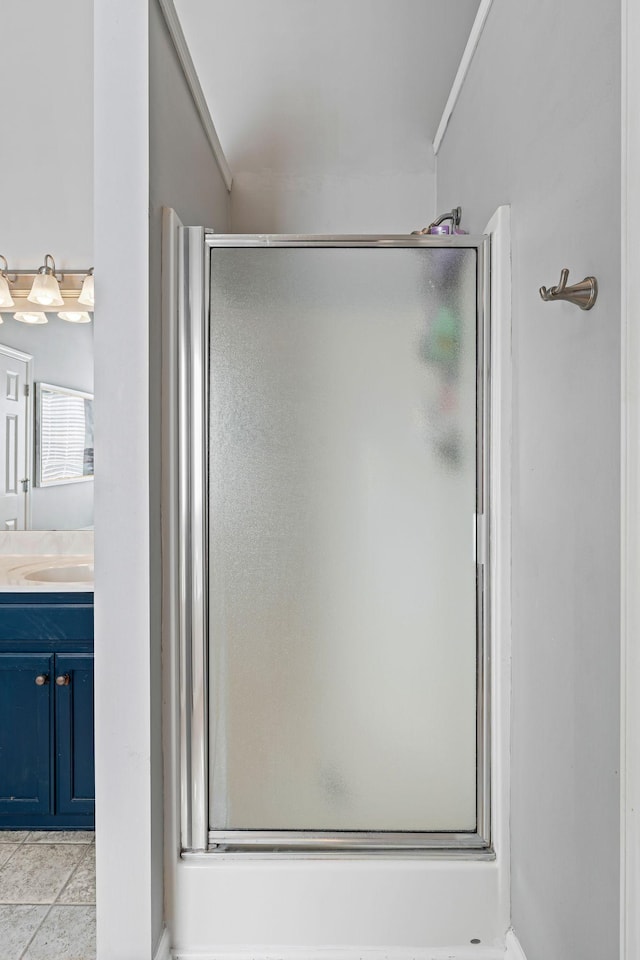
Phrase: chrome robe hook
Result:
[583,294]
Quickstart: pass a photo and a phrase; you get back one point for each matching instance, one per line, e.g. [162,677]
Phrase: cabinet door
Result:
[25,733]
[75,789]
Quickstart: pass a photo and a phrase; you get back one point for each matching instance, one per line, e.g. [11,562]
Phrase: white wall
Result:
[46,159]
[365,203]
[326,110]
[537,125]
[161,158]
[124,870]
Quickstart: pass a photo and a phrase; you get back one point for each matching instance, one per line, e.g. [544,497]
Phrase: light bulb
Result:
[45,291]
[75,317]
[87,294]
[31,317]
[6,300]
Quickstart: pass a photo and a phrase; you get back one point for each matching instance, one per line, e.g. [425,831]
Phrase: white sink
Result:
[77,573]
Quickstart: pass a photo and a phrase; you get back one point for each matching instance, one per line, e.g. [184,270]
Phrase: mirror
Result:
[46,422]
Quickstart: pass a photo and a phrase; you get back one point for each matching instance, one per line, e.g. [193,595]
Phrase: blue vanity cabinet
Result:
[46,711]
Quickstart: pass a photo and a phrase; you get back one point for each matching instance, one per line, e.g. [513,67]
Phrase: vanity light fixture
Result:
[70,293]
[87,294]
[45,289]
[24,317]
[74,316]
[6,300]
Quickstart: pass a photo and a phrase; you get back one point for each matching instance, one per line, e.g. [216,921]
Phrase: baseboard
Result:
[163,950]
[513,949]
[466,952]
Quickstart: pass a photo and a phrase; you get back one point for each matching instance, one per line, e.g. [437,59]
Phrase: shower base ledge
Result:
[465,952]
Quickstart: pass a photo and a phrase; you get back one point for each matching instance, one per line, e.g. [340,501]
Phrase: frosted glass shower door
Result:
[345,461]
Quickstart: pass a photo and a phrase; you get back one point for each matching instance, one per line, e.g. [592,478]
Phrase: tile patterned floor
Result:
[47,895]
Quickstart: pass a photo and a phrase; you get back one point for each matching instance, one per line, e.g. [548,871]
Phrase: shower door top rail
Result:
[342,240]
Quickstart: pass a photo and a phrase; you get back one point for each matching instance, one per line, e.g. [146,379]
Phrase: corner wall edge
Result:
[163,950]
[463,69]
[178,39]
[513,948]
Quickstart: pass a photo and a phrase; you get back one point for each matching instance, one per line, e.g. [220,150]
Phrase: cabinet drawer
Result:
[46,617]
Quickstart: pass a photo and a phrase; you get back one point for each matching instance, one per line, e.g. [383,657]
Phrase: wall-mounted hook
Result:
[583,294]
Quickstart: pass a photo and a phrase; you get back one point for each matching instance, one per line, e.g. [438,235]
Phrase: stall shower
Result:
[329,515]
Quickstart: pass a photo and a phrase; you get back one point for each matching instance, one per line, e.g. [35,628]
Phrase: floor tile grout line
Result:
[70,877]
[44,843]
[12,843]
[88,844]
[50,907]
[77,903]
[75,867]
[9,859]
[19,842]
[33,936]
[59,843]
[72,874]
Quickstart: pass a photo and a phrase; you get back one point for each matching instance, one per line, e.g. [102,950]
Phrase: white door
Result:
[14,431]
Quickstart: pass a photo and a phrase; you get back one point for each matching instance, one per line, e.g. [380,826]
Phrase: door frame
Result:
[630,489]
[28,440]
[188,578]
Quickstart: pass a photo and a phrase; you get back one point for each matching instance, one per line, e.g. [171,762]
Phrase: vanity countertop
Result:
[46,573]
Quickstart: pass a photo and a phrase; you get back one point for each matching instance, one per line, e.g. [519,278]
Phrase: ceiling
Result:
[311,88]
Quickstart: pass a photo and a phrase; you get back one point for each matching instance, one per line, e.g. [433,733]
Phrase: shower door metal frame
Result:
[189,574]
